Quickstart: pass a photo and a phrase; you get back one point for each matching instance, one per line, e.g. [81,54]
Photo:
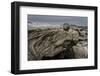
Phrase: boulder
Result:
[69,42]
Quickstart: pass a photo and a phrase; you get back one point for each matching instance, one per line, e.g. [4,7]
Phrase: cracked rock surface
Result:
[68,42]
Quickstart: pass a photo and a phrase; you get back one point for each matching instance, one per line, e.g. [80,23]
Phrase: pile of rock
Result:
[68,42]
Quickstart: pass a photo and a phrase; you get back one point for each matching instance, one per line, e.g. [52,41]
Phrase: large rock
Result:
[57,43]
[80,51]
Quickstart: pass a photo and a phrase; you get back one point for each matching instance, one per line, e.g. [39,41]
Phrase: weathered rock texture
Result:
[68,42]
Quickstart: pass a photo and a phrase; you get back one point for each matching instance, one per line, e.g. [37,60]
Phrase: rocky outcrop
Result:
[68,42]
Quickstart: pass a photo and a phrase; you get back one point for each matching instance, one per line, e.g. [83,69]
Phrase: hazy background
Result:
[57,20]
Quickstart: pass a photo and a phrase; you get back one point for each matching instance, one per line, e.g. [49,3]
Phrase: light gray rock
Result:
[68,42]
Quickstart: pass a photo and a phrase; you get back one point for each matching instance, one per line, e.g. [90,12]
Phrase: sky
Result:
[83,21]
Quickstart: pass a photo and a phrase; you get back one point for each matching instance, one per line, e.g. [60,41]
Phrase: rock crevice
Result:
[68,42]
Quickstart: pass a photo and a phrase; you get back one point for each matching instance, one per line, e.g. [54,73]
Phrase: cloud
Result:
[58,19]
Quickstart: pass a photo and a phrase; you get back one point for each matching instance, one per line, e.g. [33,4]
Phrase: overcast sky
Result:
[58,19]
